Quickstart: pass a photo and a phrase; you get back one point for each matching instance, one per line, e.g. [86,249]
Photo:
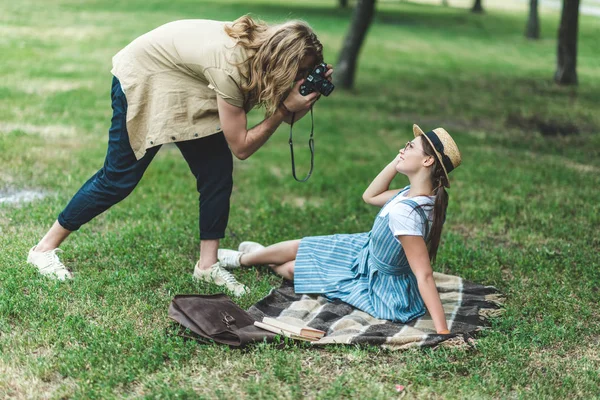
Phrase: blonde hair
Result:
[274,56]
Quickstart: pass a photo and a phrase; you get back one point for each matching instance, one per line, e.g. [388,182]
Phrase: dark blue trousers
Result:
[209,159]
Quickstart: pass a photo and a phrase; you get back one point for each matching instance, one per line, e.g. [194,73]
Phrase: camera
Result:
[316,82]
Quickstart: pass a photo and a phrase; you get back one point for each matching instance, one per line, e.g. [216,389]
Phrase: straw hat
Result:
[444,147]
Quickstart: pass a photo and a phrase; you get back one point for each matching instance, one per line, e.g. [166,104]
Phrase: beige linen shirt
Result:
[171,77]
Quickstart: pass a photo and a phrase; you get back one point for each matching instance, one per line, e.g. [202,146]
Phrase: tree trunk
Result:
[532,31]
[346,66]
[343,3]
[477,7]
[445,3]
[566,69]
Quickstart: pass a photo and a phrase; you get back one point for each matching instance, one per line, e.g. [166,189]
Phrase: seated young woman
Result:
[385,272]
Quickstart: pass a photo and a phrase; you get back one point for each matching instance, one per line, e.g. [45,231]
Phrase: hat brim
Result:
[419,132]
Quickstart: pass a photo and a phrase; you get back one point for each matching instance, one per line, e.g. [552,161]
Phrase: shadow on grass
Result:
[482,101]
[429,17]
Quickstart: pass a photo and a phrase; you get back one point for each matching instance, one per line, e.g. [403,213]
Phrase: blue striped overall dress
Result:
[366,270]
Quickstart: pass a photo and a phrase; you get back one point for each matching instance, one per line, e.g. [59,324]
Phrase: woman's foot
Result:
[48,263]
[250,247]
[229,258]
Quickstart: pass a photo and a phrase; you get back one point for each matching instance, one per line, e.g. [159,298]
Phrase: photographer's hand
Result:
[329,72]
[297,103]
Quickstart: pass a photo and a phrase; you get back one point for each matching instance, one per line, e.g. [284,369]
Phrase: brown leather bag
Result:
[216,317]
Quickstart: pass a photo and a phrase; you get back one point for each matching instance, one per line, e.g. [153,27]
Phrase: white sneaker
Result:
[229,258]
[250,247]
[219,276]
[49,264]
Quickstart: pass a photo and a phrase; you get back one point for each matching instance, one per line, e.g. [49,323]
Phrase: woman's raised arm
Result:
[378,192]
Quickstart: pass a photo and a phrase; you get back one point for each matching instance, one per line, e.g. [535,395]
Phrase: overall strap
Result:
[392,198]
[396,195]
[416,207]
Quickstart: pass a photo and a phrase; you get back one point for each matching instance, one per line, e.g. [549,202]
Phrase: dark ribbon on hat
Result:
[439,146]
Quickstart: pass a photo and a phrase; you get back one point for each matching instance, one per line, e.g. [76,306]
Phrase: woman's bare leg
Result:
[53,238]
[285,270]
[278,254]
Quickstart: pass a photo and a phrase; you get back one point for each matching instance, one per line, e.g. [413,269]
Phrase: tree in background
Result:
[532,30]
[566,68]
[477,7]
[343,3]
[346,65]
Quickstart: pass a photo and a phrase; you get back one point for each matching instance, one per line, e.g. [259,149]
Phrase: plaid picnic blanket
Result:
[468,307]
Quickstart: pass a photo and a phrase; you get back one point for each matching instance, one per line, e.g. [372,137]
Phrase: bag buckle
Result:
[227,319]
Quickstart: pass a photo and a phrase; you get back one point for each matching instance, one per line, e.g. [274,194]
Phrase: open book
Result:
[292,331]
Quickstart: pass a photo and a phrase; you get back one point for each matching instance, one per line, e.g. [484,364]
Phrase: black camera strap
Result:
[311,146]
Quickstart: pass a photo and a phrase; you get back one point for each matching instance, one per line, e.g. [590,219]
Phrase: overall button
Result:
[173,137]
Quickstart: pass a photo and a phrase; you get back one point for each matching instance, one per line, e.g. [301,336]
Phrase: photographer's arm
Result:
[377,193]
[418,259]
[244,142]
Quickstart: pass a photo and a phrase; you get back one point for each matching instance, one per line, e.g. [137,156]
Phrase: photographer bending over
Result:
[385,272]
[191,83]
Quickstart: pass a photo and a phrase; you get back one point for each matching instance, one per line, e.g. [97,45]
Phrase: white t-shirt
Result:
[404,219]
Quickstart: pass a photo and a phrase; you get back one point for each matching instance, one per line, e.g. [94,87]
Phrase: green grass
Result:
[524,211]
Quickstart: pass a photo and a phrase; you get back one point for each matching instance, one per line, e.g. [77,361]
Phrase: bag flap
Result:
[210,314]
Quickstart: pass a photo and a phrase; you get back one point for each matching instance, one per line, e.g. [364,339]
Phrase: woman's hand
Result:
[295,102]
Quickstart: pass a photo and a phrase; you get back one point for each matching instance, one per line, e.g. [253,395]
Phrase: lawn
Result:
[523,216]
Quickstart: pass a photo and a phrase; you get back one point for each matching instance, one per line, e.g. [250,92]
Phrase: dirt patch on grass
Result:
[52,34]
[475,236]
[19,383]
[545,126]
[465,231]
[48,86]
[555,160]
[578,167]
[276,171]
[4,221]
[587,356]
[469,125]
[474,233]
[561,162]
[12,196]
[301,202]
[51,131]
[6,178]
